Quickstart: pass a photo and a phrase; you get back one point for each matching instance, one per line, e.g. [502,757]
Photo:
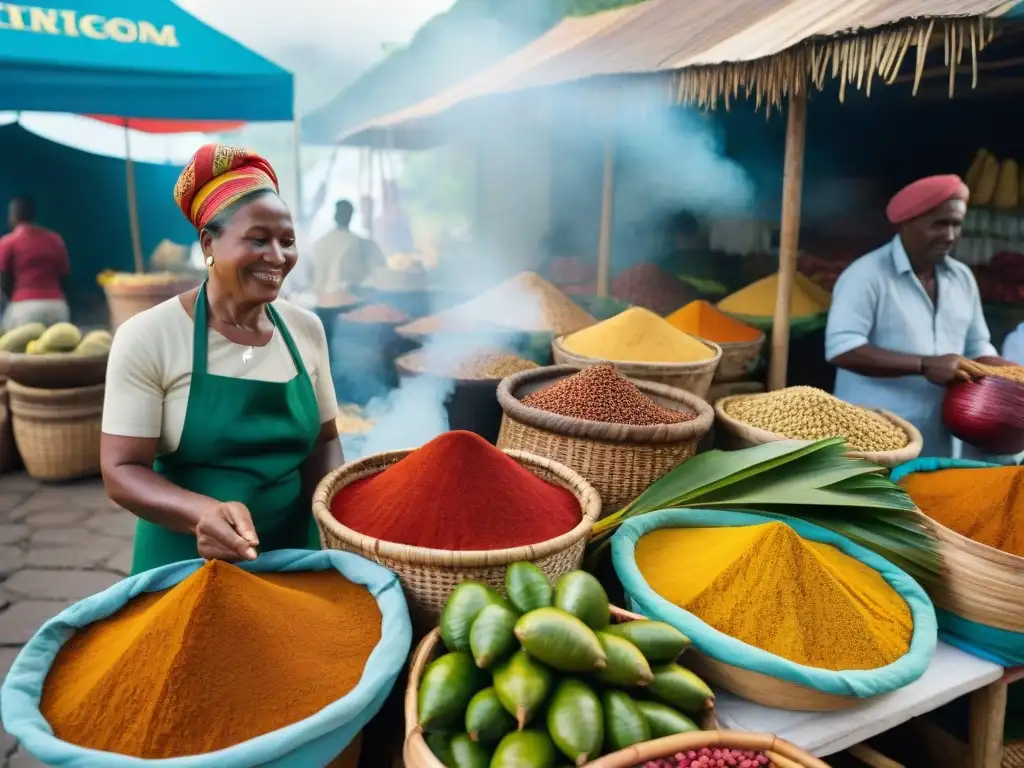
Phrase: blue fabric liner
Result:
[201,75]
[716,645]
[1001,646]
[310,743]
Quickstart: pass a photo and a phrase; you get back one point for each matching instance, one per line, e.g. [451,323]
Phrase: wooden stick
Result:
[789,238]
[604,243]
[988,717]
[872,757]
[133,202]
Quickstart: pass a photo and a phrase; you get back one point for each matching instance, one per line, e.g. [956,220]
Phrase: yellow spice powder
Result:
[640,336]
[758,299]
[766,586]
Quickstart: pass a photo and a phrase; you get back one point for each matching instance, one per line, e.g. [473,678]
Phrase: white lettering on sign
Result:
[54,21]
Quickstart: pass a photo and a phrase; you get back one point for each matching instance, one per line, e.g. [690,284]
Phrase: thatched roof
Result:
[718,50]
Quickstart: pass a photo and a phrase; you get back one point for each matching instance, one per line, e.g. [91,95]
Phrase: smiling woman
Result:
[220,410]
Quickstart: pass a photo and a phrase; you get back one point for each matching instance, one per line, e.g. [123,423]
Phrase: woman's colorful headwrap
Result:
[217,176]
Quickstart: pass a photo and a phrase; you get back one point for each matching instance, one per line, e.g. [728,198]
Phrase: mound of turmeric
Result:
[219,659]
[699,318]
[765,585]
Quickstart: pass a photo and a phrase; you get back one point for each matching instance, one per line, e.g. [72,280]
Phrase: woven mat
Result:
[1013,754]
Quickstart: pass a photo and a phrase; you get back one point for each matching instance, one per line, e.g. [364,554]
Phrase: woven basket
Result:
[736,434]
[8,449]
[739,360]
[620,461]
[428,576]
[57,431]
[694,378]
[416,752]
[127,300]
[782,753]
[56,371]
[1013,755]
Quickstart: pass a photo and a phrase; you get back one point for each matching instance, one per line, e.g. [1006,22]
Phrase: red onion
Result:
[987,413]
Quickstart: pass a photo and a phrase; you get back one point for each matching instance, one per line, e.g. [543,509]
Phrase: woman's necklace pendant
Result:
[247,355]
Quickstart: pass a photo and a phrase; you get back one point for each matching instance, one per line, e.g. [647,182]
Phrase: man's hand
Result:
[943,370]
[225,532]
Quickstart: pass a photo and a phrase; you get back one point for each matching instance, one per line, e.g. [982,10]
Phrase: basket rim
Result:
[666,368]
[598,430]
[585,493]
[915,442]
[52,359]
[21,389]
[969,546]
[739,346]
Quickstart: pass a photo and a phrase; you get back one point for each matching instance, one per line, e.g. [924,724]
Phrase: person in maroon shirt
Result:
[33,265]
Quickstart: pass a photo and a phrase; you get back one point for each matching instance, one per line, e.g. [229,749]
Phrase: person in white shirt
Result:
[341,258]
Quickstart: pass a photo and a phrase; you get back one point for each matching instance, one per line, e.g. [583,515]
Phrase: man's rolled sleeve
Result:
[852,314]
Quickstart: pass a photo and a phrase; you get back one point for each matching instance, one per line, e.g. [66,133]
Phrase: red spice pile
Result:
[647,285]
[457,492]
[375,313]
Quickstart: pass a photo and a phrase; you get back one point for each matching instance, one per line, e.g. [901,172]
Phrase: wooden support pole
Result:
[604,243]
[133,202]
[789,237]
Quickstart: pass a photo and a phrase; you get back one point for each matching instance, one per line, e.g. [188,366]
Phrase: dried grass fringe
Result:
[854,60]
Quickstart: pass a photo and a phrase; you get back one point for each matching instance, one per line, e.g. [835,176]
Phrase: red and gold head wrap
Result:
[217,176]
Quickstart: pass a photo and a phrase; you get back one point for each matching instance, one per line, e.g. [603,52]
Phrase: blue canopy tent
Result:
[149,66]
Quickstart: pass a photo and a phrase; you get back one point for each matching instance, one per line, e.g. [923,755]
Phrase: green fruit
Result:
[462,608]
[522,684]
[626,666]
[527,587]
[658,641]
[492,636]
[525,749]
[665,721]
[466,753]
[33,348]
[680,688]
[560,640]
[59,337]
[576,721]
[447,686]
[440,746]
[18,338]
[580,594]
[91,348]
[624,723]
[486,719]
[100,337]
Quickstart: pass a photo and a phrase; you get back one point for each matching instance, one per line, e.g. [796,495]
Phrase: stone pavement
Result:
[58,544]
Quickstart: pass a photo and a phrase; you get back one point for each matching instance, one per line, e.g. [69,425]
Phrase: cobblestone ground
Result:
[58,544]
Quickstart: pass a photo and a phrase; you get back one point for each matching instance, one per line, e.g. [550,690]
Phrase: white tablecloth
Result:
[951,674]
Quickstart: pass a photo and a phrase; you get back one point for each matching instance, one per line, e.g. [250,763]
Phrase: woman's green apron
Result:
[245,441]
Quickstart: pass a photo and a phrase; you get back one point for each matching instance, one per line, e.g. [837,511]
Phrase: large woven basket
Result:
[417,753]
[739,360]
[428,576]
[620,461]
[57,430]
[736,434]
[8,448]
[694,378]
[125,300]
[782,753]
[56,371]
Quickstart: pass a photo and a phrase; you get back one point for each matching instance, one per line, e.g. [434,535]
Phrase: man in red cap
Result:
[905,315]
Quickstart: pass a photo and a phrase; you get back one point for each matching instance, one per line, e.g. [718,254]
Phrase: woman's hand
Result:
[225,532]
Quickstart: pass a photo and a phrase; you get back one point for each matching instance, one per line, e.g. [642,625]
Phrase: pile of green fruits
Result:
[543,677]
[60,338]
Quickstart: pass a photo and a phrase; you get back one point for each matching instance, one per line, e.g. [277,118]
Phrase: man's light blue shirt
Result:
[879,300]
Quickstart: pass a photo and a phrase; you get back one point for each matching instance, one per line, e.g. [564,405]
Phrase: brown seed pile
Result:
[601,393]
[979,370]
[526,303]
[375,313]
[806,413]
[647,285]
[467,364]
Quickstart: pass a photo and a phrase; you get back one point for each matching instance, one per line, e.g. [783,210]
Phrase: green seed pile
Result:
[806,413]
[601,393]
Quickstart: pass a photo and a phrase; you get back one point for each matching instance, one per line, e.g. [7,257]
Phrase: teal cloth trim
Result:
[310,743]
[716,645]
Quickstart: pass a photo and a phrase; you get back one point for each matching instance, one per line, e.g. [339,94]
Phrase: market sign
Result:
[55,21]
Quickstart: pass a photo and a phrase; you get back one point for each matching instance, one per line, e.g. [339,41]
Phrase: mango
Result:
[466,753]
[464,604]
[492,635]
[527,587]
[18,338]
[60,337]
[560,640]
[522,685]
[525,749]
[665,721]
[624,723]
[487,721]
[680,688]
[582,595]
[626,667]
[659,642]
[439,744]
[447,686]
[576,721]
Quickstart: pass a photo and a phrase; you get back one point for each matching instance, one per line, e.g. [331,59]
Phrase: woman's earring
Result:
[209,260]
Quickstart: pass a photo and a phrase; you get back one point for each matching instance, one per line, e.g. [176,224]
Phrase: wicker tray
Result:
[8,449]
[694,378]
[736,434]
[620,461]
[55,371]
[57,431]
[428,576]
[416,752]
[739,360]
